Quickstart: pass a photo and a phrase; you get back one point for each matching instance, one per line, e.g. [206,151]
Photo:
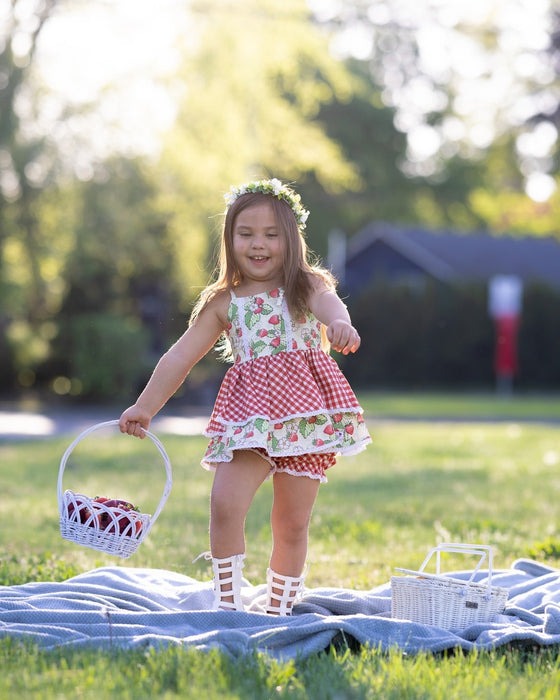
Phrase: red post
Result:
[505,308]
[505,356]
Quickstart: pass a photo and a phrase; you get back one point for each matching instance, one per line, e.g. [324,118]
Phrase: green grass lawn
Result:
[419,483]
[468,405]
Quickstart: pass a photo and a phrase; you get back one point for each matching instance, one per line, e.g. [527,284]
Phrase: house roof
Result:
[447,255]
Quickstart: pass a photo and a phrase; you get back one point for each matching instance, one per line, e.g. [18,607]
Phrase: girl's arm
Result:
[174,366]
[327,307]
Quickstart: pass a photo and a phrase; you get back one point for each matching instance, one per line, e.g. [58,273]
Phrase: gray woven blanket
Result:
[127,607]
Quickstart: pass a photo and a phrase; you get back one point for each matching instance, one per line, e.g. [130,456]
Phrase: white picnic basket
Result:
[442,601]
[81,516]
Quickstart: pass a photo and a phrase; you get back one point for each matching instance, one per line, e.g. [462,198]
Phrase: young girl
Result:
[284,408]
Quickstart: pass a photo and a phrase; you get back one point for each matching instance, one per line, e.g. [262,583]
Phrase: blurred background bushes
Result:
[441,336]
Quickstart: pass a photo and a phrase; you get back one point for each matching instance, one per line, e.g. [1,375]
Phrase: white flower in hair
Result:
[274,188]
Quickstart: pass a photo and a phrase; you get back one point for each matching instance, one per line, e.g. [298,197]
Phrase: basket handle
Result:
[481,550]
[153,438]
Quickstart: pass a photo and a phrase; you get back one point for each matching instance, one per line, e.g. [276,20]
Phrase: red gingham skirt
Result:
[279,387]
[293,403]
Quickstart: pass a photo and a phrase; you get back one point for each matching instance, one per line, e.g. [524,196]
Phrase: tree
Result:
[131,232]
[465,81]
[22,162]
[364,128]
[250,109]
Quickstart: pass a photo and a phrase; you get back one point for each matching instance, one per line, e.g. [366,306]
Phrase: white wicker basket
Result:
[123,530]
[442,601]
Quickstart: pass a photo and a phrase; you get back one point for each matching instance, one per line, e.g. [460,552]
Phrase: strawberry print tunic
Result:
[283,394]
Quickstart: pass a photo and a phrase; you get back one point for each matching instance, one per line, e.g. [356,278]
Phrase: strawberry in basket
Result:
[83,511]
[120,509]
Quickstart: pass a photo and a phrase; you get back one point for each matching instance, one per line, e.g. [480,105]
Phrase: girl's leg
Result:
[294,497]
[235,484]
[234,487]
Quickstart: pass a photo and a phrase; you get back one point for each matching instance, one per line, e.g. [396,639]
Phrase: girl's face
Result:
[258,247]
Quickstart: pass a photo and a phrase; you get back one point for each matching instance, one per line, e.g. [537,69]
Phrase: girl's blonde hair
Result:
[299,270]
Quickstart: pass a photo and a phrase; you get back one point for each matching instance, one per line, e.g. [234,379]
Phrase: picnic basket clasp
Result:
[80,516]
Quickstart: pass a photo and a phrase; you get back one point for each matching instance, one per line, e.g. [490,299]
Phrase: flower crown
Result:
[275,188]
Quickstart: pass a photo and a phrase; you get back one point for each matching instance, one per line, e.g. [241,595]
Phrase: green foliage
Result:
[508,210]
[15,569]
[27,168]
[364,129]
[121,241]
[251,109]
[176,672]
[143,233]
[107,354]
[546,549]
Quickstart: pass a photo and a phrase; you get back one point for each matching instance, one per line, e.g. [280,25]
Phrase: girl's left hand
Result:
[343,337]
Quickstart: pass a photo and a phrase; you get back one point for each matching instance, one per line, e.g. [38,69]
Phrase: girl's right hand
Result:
[134,421]
[343,336]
